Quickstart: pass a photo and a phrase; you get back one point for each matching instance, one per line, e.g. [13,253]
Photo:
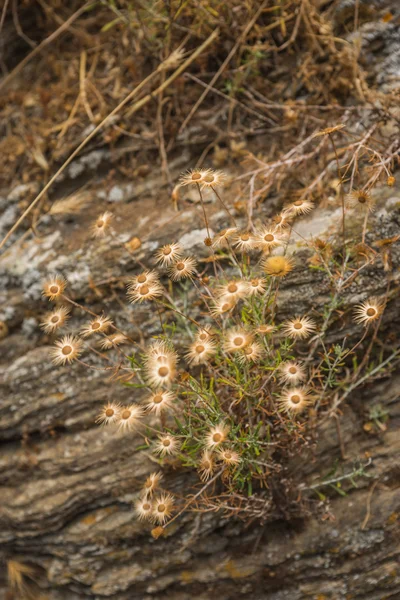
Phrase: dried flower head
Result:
[294,400]
[160,401]
[144,509]
[267,238]
[368,311]
[55,319]
[66,350]
[301,327]
[360,200]
[281,221]
[129,417]
[192,177]
[147,277]
[292,372]
[253,352]
[206,466]
[169,253]
[109,414]
[222,306]
[54,287]
[161,372]
[200,352]
[299,207]
[212,178]
[162,508]
[167,444]
[152,483]
[237,339]
[244,241]
[113,340]
[265,329]
[97,325]
[160,351]
[233,290]
[216,436]
[183,268]
[204,334]
[147,291]
[277,266]
[391,180]
[256,286]
[221,239]
[229,456]
[102,224]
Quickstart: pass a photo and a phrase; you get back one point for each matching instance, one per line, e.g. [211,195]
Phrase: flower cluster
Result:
[226,379]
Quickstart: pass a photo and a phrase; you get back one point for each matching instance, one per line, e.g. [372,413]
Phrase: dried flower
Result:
[212,178]
[391,180]
[109,414]
[216,436]
[265,329]
[160,351]
[101,225]
[222,305]
[299,207]
[236,339]
[200,352]
[169,254]
[233,290]
[54,287]
[277,266]
[301,327]
[192,177]
[206,466]
[129,417]
[267,238]
[361,200]
[368,311]
[162,508]
[256,286]
[143,509]
[167,444]
[161,372]
[66,350]
[113,340]
[147,291]
[55,319]
[98,325]
[294,400]
[147,277]
[252,353]
[281,221]
[244,241]
[152,483]
[292,372]
[229,456]
[204,334]
[221,239]
[183,268]
[160,401]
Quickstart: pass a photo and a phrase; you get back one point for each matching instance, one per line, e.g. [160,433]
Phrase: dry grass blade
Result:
[136,107]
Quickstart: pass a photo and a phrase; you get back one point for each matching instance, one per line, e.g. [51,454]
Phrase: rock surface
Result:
[67,487]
